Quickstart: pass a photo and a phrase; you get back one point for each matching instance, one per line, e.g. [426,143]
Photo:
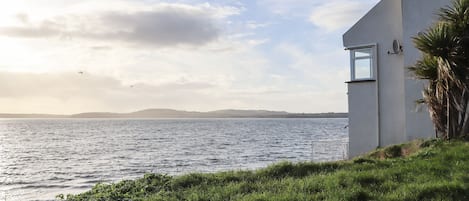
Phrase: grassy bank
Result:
[430,170]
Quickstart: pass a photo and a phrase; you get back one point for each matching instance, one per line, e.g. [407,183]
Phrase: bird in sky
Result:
[80,72]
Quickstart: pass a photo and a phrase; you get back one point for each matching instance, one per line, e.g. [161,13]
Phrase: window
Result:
[362,64]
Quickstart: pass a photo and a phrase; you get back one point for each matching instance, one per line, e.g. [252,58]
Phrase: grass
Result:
[419,170]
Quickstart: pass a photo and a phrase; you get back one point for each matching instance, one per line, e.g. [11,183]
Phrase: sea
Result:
[41,158]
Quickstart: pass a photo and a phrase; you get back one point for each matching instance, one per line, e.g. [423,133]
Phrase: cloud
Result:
[286,8]
[256,25]
[31,32]
[162,25]
[336,15]
[72,92]
[165,27]
[320,72]
[211,59]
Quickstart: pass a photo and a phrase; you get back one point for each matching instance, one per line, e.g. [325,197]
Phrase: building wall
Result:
[363,117]
[381,25]
[418,15]
[391,79]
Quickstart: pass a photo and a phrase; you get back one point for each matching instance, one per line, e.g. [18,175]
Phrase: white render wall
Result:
[381,25]
[418,15]
[384,111]
[363,117]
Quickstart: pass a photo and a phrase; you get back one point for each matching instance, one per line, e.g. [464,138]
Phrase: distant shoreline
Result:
[169,113]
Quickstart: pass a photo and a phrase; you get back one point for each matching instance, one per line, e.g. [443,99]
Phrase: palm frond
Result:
[445,64]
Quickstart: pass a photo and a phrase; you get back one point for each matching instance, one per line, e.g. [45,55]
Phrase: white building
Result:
[382,94]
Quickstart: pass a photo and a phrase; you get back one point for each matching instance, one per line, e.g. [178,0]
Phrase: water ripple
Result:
[40,158]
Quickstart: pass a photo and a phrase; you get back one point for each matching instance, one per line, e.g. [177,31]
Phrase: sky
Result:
[72,56]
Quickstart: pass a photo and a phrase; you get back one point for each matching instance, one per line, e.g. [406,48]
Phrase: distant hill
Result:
[246,113]
[169,113]
[98,115]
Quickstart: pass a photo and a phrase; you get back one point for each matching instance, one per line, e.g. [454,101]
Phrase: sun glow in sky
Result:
[189,55]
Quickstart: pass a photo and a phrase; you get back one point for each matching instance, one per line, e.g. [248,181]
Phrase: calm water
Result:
[40,158]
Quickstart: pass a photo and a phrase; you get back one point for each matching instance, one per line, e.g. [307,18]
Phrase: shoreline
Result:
[417,170]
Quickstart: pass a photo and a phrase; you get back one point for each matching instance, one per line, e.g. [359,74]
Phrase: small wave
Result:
[96,181]
[13,173]
[182,165]
[44,186]
[59,179]
[214,160]
[16,183]
[83,186]
[85,176]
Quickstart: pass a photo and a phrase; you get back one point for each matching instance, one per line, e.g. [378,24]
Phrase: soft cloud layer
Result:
[339,14]
[161,25]
[287,8]
[187,55]
[73,93]
[70,92]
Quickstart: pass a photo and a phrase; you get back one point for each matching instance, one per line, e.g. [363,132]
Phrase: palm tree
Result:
[445,64]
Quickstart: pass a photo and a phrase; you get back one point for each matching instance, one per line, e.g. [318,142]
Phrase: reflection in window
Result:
[362,64]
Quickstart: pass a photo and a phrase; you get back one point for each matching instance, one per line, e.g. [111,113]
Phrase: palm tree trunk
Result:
[465,115]
[449,132]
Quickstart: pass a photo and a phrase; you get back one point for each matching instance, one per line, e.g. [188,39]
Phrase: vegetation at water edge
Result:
[419,170]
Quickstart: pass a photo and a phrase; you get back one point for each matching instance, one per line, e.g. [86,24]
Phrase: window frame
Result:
[373,62]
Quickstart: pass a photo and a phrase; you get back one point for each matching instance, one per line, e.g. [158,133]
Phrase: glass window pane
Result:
[363,53]
[363,68]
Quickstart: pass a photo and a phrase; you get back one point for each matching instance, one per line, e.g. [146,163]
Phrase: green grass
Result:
[420,170]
